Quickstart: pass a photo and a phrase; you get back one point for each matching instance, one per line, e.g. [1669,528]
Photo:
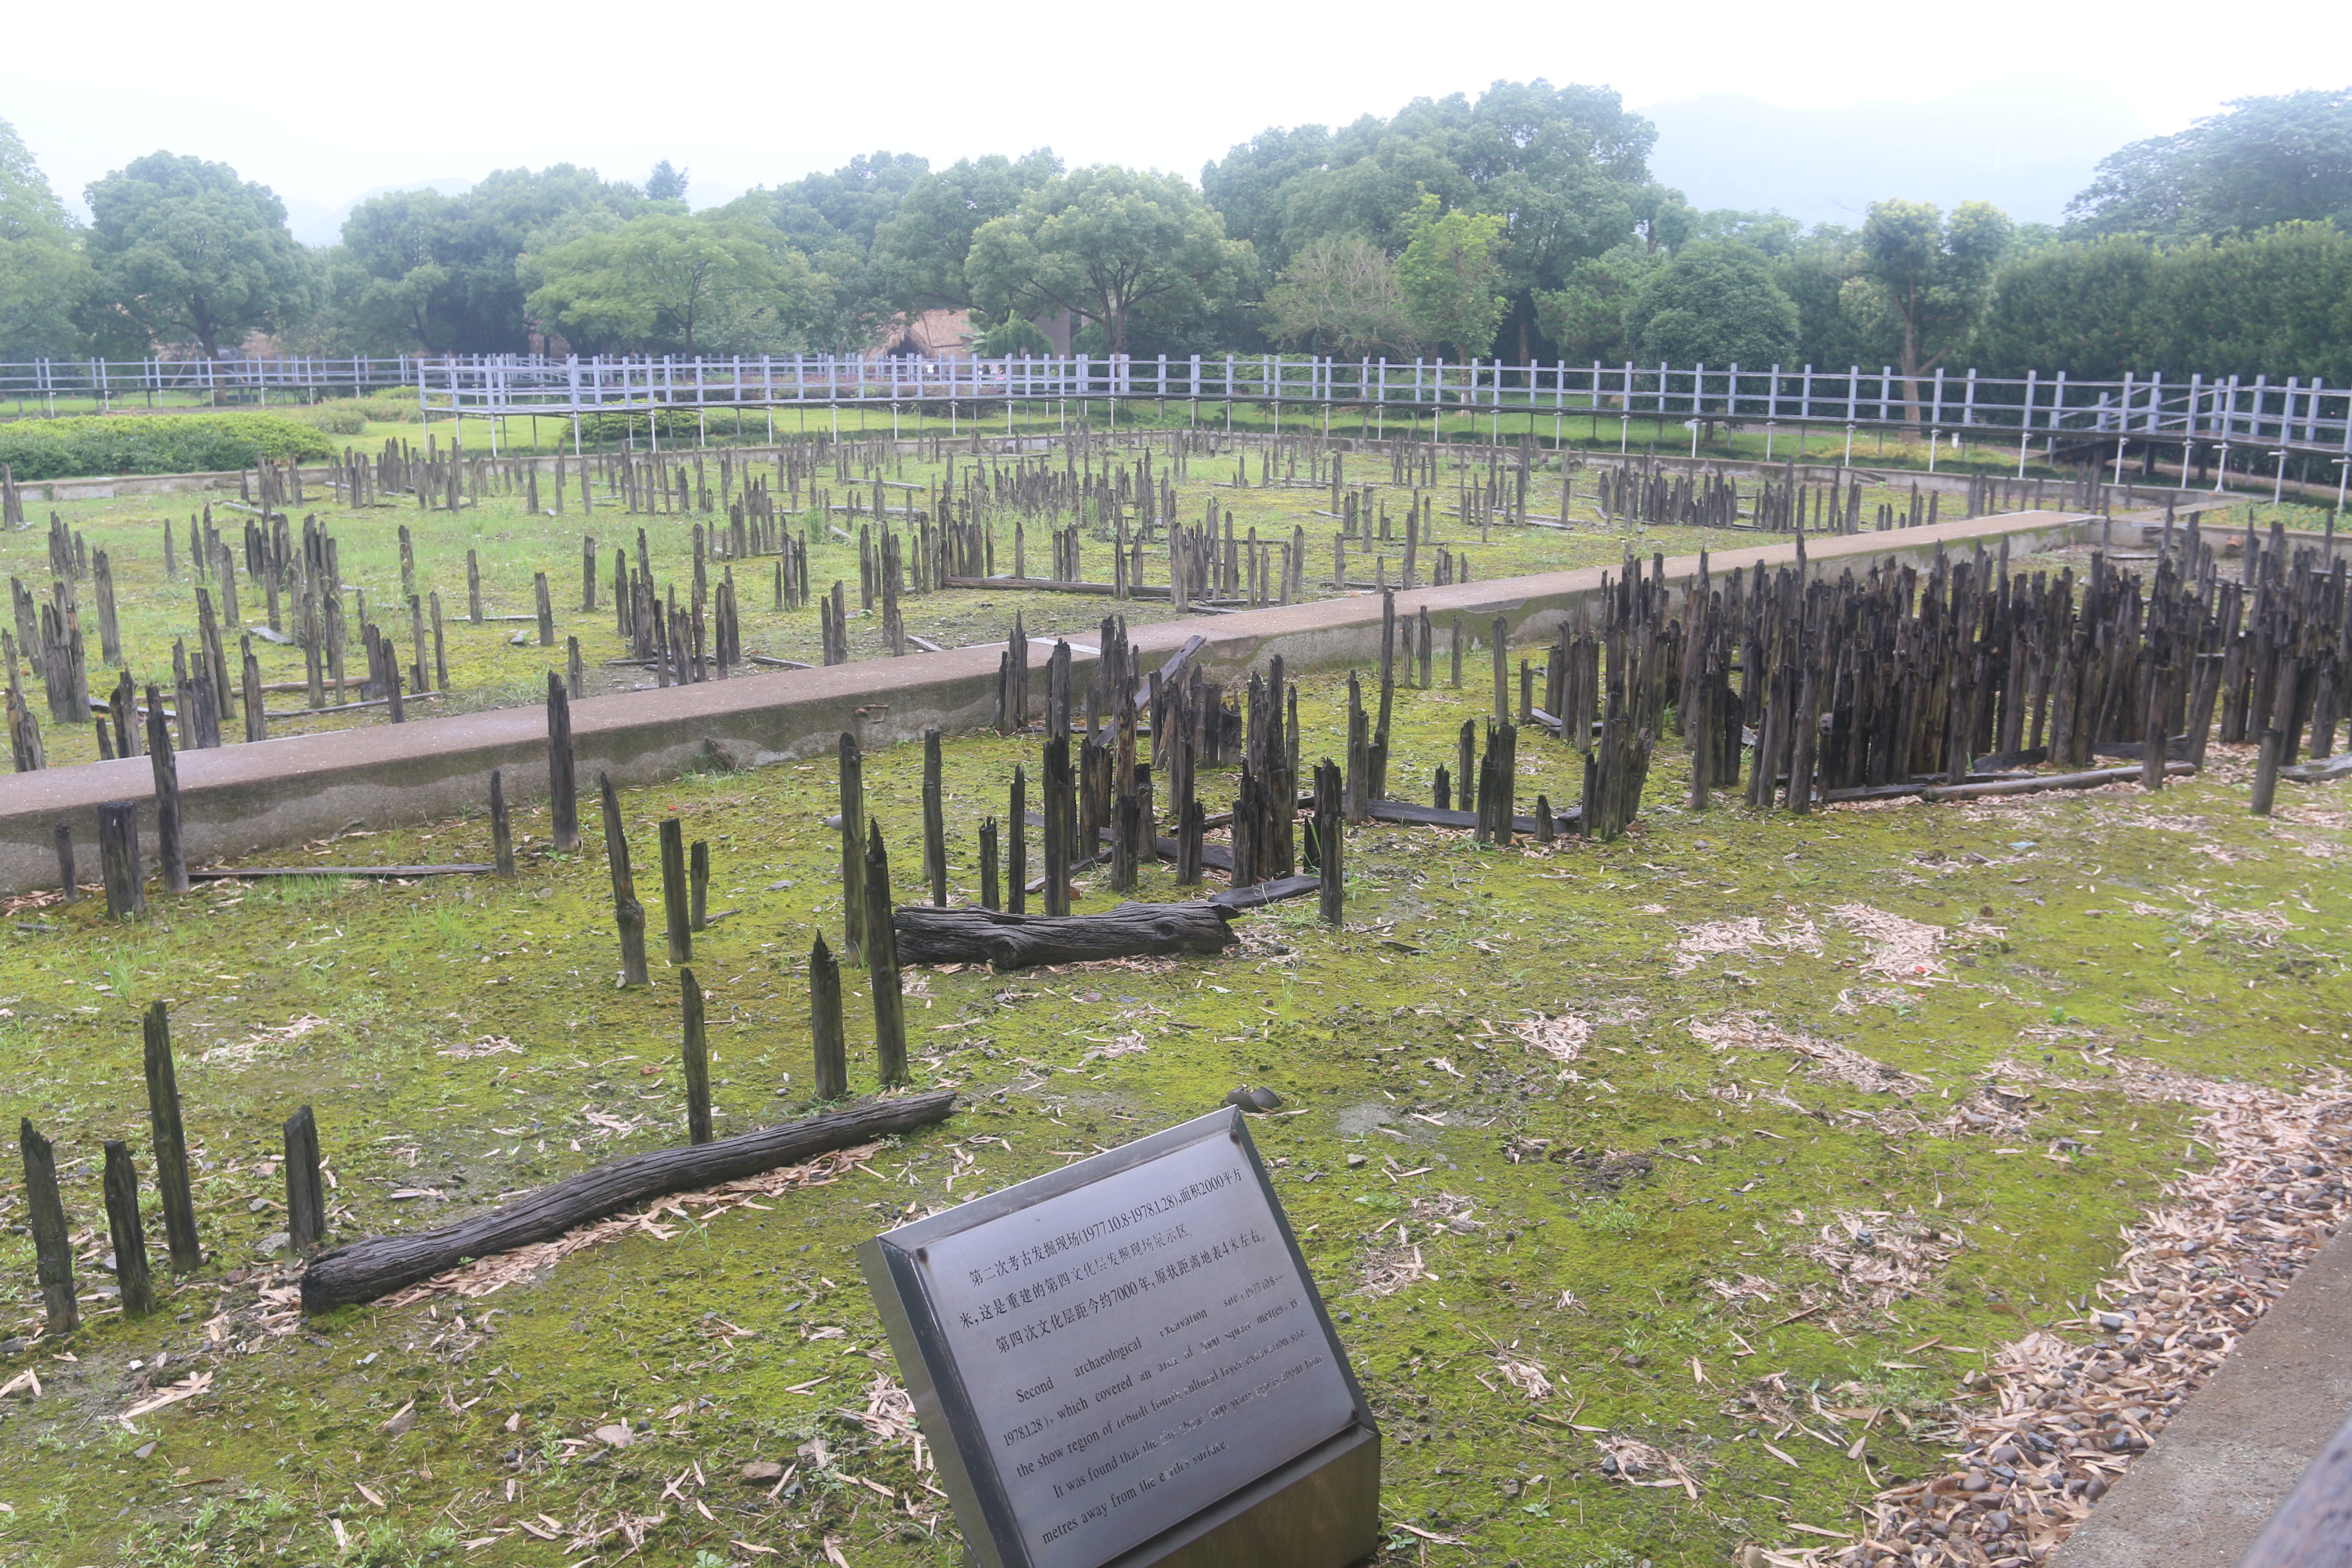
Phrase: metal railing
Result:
[2294,415]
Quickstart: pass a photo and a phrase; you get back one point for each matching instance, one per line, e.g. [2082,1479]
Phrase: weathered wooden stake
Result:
[501,829]
[990,896]
[118,859]
[935,827]
[1331,842]
[852,849]
[562,787]
[126,1233]
[1016,855]
[546,610]
[628,915]
[698,1060]
[52,1253]
[698,885]
[882,962]
[173,863]
[170,1144]
[825,1032]
[675,912]
[306,1192]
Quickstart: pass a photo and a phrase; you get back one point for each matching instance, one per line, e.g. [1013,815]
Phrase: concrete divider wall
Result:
[238,800]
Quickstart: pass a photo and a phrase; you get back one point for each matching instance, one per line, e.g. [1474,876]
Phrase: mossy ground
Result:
[2173,927]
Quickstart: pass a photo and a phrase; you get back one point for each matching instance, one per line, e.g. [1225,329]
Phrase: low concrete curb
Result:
[2199,1498]
[239,799]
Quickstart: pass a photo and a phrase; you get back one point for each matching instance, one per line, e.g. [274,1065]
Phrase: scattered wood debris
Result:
[1900,950]
[1832,1063]
[1560,1039]
[1641,1463]
[1715,939]
[1880,1258]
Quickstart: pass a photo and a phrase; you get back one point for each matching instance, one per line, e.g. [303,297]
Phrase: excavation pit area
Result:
[1810,1086]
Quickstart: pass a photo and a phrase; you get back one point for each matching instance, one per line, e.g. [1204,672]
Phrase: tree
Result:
[2263,162]
[669,281]
[666,184]
[43,274]
[923,246]
[1715,303]
[1111,244]
[1451,277]
[419,271]
[1585,319]
[1930,277]
[1340,295]
[184,251]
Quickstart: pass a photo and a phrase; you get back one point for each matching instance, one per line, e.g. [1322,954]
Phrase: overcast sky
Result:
[327,103]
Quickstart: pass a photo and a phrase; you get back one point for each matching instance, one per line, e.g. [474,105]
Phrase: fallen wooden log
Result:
[2038,783]
[378,1265]
[2318,771]
[235,874]
[1257,893]
[1407,814]
[969,935]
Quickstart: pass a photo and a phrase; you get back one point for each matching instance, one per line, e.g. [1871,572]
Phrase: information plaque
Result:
[1103,1357]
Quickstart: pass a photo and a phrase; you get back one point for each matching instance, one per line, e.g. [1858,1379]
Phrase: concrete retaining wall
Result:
[240,799]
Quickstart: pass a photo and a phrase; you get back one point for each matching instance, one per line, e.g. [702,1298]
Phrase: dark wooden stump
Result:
[698,885]
[628,915]
[563,789]
[501,829]
[853,850]
[1016,857]
[882,963]
[675,913]
[170,1143]
[696,1059]
[63,835]
[126,1233]
[990,888]
[378,1265]
[306,1193]
[118,859]
[52,1252]
[168,854]
[828,1040]
[935,828]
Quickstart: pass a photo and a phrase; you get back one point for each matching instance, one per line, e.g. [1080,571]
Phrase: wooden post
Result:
[989,897]
[1057,803]
[174,864]
[1457,653]
[698,885]
[852,849]
[882,963]
[1016,857]
[306,1193]
[826,1033]
[501,830]
[1502,656]
[67,879]
[126,1233]
[170,1144]
[2266,767]
[563,789]
[52,1253]
[473,588]
[935,832]
[628,915]
[1331,839]
[118,859]
[674,891]
[698,1060]
[587,569]
[546,610]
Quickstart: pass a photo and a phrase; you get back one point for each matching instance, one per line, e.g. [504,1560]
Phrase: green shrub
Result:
[155,444]
[352,415]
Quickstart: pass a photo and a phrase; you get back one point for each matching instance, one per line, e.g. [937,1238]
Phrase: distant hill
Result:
[2025,146]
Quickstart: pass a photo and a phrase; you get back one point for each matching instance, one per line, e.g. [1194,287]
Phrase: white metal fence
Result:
[2292,414]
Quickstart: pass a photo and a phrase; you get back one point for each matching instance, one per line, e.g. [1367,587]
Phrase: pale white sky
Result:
[325,103]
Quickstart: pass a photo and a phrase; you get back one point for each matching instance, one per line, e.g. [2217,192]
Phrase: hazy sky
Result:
[326,103]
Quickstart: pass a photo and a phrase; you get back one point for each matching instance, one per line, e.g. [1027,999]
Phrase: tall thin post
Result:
[673,890]
[935,833]
[826,1033]
[852,849]
[882,962]
[563,790]
[698,1060]
[306,1193]
[628,915]
[501,829]
[118,859]
[52,1253]
[168,852]
[1017,858]
[170,1144]
[126,1233]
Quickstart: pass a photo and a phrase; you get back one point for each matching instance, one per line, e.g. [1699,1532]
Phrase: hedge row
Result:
[155,444]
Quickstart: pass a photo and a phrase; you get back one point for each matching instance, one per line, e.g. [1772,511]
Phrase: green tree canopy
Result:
[1450,276]
[2262,162]
[419,271]
[923,246]
[666,184]
[1715,303]
[1929,276]
[44,275]
[1565,169]
[184,251]
[1340,295]
[833,218]
[1112,244]
[669,281]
